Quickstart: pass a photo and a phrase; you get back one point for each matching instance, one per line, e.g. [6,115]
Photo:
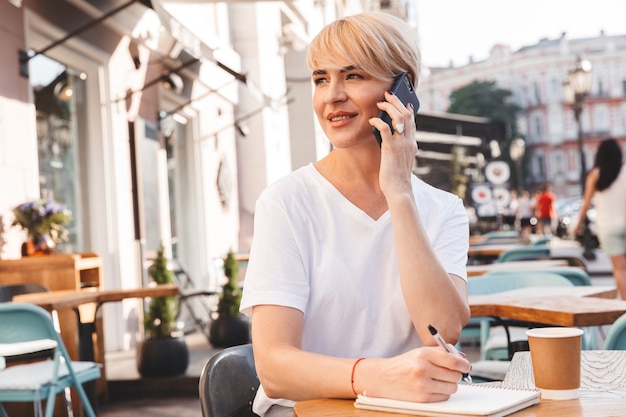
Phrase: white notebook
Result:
[469,400]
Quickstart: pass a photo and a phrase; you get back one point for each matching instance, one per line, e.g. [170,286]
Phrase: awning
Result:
[443,138]
[143,20]
[176,38]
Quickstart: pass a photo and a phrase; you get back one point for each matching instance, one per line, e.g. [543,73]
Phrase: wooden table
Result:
[557,306]
[88,348]
[602,391]
[64,299]
[491,250]
[487,240]
[475,270]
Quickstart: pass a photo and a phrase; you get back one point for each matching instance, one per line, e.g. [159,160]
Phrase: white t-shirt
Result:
[611,203]
[315,251]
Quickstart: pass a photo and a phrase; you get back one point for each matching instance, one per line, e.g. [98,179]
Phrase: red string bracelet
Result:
[352,375]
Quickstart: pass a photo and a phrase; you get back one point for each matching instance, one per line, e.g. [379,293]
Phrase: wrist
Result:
[354,386]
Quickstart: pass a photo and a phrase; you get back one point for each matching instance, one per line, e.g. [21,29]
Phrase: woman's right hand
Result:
[426,374]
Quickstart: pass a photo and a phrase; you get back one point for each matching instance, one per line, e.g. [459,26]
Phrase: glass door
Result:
[59,95]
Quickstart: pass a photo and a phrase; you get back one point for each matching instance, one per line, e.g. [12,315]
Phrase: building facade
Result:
[153,122]
[156,122]
[535,74]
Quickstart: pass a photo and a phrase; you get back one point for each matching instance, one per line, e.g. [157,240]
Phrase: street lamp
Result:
[575,88]
[516,151]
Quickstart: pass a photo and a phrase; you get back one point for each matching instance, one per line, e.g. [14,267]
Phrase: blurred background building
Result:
[535,75]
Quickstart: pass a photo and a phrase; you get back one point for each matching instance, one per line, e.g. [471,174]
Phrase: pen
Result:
[466,376]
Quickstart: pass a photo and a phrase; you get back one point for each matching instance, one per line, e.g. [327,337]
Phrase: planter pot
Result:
[162,357]
[229,331]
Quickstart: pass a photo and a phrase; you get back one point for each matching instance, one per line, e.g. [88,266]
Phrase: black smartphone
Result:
[404,90]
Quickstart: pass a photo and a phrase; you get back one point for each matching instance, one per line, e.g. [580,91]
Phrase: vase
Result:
[42,246]
[28,248]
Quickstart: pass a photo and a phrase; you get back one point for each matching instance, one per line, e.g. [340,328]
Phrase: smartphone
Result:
[404,90]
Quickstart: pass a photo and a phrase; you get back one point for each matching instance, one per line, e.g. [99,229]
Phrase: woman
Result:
[353,256]
[607,182]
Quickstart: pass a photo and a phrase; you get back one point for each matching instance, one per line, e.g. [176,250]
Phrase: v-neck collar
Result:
[346,204]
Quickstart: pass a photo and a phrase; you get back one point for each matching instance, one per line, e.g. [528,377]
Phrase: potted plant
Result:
[43,221]
[229,328]
[163,352]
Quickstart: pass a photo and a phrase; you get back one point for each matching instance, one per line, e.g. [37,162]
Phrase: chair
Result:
[525,253]
[228,383]
[542,240]
[576,276]
[35,350]
[573,260]
[541,251]
[34,381]
[496,349]
[616,337]
[196,307]
[494,346]
[8,291]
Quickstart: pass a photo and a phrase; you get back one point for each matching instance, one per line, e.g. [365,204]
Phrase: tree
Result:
[161,315]
[228,305]
[485,99]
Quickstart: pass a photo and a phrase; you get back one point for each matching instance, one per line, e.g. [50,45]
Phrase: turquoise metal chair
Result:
[577,276]
[616,337]
[496,351]
[543,240]
[23,325]
[525,253]
[505,281]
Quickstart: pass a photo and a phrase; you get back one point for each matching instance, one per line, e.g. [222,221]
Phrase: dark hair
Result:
[609,162]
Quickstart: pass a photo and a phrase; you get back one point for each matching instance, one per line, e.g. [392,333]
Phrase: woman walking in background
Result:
[607,182]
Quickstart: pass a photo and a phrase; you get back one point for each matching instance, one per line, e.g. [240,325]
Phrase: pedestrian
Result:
[511,208]
[546,212]
[525,212]
[606,184]
[353,256]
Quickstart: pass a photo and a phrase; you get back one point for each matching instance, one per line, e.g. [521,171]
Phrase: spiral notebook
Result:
[469,400]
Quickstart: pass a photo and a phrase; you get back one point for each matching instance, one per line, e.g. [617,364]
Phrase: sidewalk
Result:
[132,396]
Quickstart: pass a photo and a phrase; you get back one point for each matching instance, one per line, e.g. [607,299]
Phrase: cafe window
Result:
[174,128]
[148,152]
[59,94]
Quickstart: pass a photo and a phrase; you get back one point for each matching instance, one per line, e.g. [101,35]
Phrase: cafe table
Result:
[90,350]
[72,299]
[480,269]
[492,250]
[577,306]
[602,393]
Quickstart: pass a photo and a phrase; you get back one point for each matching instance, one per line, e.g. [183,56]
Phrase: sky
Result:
[454,30]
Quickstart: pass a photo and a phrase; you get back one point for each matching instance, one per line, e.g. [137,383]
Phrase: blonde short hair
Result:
[380,44]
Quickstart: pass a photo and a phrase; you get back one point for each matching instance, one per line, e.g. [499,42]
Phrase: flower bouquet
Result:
[44,222]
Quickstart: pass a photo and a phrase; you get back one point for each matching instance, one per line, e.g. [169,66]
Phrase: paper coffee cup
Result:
[555,355]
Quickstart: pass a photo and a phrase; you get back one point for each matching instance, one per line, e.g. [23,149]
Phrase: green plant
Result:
[42,218]
[161,315]
[228,305]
